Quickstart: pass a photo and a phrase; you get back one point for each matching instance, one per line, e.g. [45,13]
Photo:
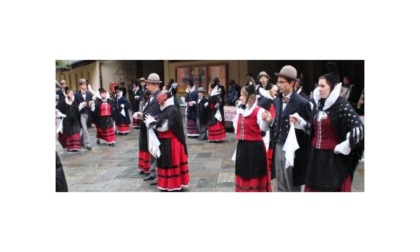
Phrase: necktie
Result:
[285,99]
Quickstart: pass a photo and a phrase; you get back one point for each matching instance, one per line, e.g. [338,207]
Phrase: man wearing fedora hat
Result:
[152,108]
[202,113]
[84,99]
[263,78]
[289,179]
[61,93]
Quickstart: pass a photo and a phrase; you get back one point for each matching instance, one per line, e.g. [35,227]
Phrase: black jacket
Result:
[202,111]
[296,104]
[78,97]
[152,107]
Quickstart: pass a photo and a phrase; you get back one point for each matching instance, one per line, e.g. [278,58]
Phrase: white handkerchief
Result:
[154,143]
[60,126]
[290,146]
[218,115]
[123,112]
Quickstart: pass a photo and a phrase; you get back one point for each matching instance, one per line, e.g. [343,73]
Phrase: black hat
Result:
[250,89]
[332,76]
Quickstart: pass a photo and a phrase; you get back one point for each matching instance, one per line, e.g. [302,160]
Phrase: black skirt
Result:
[326,171]
[251,160]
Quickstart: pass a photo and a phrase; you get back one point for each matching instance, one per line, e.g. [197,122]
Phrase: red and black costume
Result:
[104,112]
[216,128]
[122,119]
[333,122]
[70,136]
[172,165]
[251,168]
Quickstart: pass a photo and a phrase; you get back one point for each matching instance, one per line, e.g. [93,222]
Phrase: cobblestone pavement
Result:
[114,169]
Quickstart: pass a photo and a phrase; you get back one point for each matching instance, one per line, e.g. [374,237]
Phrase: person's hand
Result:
[90,103]
[206,104]
[343,148]
[217,105]
[122,106]
[136,97]
[149,119]
[266,116]
[295,118]
[137,115]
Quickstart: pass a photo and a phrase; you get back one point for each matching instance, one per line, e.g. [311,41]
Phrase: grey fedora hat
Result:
[288,71]
[153,78]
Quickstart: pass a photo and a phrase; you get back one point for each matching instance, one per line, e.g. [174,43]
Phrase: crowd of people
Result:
[285,138]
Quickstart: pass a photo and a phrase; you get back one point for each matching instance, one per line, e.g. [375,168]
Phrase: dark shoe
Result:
[111,144]
[97,141]
[119,133]
[148,178]
[153,183]
[89,147]
[141,172]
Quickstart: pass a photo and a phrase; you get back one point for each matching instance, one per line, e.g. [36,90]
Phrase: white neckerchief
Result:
[247,111]
[264,93]
[215,91]
[192,89]
[83,94]
[67,101]
[167,103]
[330,99]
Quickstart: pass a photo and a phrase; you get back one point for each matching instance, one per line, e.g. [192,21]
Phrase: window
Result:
[201,75]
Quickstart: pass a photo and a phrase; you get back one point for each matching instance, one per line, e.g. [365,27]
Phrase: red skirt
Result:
[107,135]
[71,142]
[136,123]
[192,129]
[144,161]
[177,176]
[345,187]
[123,128]
[216,132]
[262,184]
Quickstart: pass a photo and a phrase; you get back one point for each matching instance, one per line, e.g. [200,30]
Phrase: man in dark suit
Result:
[152,108]
[289,179]
[83,98]
[61,93]
[202,115]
